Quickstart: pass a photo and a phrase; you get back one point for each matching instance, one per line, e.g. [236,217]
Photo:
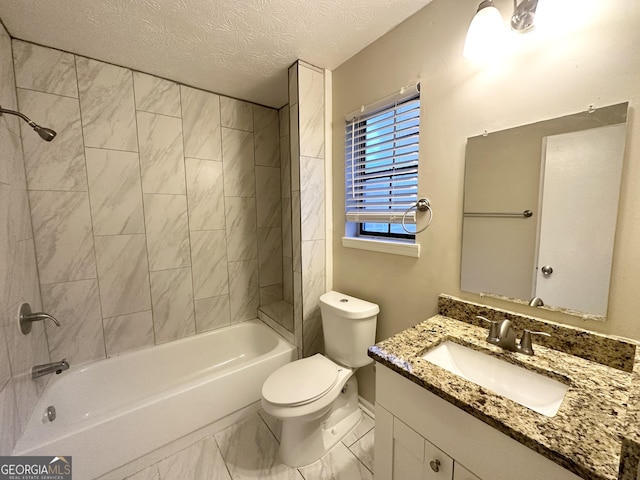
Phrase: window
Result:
[382,168]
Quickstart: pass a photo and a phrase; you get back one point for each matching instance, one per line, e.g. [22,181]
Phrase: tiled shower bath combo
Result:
[160,211]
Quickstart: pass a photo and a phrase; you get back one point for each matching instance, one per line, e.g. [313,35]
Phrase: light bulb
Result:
[485,36]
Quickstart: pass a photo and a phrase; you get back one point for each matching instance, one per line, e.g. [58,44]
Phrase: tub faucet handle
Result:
[26,318]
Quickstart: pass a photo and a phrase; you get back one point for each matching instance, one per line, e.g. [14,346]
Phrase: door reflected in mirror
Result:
[540,210]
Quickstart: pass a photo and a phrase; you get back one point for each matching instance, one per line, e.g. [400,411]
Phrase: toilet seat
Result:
[300,382]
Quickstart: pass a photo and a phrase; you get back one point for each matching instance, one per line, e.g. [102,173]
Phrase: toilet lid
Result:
[301,381]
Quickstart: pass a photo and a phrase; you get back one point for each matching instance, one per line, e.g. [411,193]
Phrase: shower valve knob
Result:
[547,270]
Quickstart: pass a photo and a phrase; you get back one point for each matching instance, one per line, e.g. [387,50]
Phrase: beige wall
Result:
[593,60]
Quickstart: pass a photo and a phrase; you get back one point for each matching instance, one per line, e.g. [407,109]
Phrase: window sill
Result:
[383,246]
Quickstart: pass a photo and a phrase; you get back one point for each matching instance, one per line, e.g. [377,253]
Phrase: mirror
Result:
[540,210]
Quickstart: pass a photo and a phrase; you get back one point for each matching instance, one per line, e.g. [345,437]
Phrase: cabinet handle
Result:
[435,465]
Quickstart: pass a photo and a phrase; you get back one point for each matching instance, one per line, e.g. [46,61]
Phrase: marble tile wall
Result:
[285,186]
[18,271]
[273,193]
[155,213]
[306,116]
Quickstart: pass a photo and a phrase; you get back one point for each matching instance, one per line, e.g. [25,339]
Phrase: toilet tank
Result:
[349,328]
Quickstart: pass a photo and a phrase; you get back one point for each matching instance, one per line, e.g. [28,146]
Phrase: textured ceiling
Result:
[239,48]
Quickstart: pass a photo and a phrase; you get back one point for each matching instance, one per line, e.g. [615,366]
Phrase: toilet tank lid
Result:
[347,306]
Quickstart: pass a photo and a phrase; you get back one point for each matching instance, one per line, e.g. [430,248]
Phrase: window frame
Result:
[355,125]
[362,232]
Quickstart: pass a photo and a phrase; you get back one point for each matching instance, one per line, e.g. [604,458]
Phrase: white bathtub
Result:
[114,411]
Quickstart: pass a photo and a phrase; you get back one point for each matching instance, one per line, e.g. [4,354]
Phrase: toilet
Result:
[317,397]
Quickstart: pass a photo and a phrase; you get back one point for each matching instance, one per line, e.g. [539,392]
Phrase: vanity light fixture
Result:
[486,30]
[523,16]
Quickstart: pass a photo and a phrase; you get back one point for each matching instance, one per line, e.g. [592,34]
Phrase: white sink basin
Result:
[537,392]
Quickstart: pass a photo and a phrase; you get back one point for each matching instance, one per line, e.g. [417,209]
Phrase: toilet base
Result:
[305,441]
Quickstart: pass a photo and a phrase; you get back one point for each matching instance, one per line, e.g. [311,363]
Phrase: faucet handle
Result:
[494,333]
[26,317]
[526,346]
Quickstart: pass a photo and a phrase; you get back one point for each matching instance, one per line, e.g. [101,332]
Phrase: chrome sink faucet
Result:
[47,368]
[507,336]
[503,335]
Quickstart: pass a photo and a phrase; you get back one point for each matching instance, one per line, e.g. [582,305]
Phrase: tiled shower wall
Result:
[18,272]
[155,211]
[285,176]
[306,110]
[149,207]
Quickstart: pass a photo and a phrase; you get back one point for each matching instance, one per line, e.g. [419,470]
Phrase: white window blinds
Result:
[382,162]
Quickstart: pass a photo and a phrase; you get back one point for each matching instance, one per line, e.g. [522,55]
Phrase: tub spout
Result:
[47,368]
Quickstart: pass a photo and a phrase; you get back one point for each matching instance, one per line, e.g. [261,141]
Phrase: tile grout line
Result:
[93,236]
[359,459]
[144,222]
[188,212]
[269,428]
[215,441]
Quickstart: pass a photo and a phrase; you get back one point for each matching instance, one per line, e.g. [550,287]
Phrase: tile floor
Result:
[248,450]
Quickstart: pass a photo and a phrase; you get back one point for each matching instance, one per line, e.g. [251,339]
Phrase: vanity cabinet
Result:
[417,433]
[414,457]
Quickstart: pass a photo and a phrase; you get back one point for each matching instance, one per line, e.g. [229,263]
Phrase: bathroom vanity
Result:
[474,450]
[434,424]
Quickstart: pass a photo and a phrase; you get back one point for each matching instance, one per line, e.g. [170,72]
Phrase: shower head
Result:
[45,133]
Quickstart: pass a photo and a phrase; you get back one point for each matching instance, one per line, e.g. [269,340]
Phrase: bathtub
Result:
[113,411]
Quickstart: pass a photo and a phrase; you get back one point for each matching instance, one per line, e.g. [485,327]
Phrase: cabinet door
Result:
[414,458]
[461,473]
[383,445]
[437,464]
[408,453]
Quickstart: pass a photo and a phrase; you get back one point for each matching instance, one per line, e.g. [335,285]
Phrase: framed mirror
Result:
[540,210]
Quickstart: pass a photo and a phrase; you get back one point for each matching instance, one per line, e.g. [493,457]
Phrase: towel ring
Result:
[422,205]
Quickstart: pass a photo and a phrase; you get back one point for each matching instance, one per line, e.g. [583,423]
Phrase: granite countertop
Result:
[586,436]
